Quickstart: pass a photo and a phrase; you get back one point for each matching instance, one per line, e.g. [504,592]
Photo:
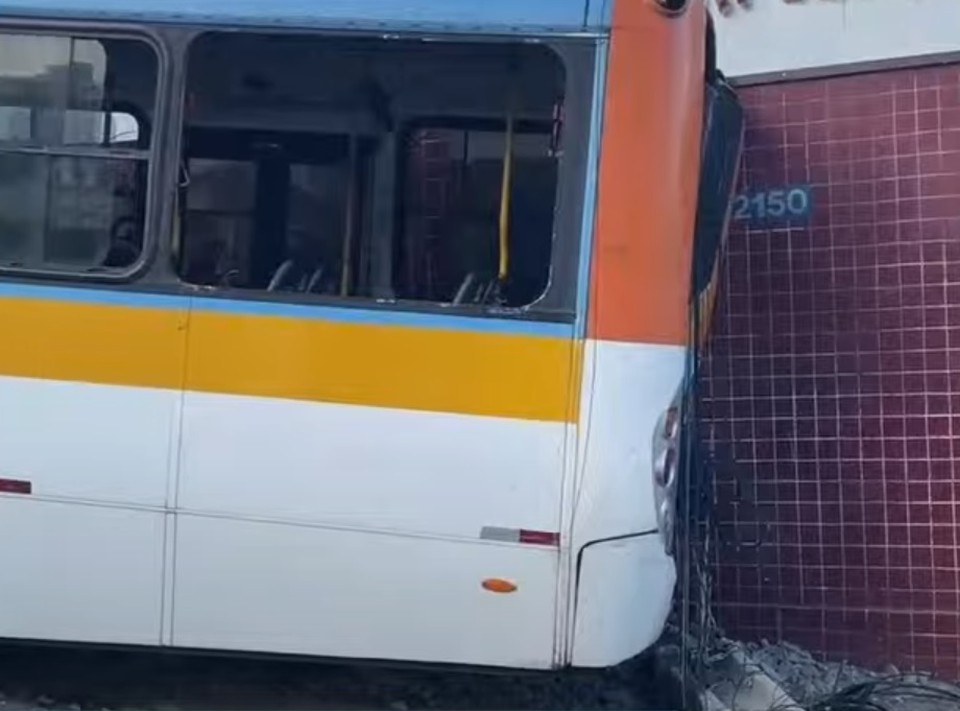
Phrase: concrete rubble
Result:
[783,677]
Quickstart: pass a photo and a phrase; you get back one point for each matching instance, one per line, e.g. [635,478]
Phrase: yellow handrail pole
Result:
[505,184]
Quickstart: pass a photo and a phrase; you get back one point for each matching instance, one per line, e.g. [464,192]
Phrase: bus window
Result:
[73,152]
[452,208]
[371,168]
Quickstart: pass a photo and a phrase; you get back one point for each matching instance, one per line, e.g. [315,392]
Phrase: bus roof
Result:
[483,16]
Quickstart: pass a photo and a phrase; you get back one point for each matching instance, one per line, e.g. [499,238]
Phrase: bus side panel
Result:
[618,610]
[89,419]
[629,386]
[89,394]
[274,587]
[360,464]
[79,573]
[438,474]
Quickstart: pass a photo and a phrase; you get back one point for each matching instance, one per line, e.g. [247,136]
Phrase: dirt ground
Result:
[39,677]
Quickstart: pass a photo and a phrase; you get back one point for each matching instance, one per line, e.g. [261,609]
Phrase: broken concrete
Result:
[782,677]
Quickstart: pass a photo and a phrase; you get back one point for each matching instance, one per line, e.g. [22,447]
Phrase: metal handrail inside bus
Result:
[505,184]
[504,231]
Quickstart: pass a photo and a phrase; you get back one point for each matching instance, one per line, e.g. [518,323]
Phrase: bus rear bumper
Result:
[624,594]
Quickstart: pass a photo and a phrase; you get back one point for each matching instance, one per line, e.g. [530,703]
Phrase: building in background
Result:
[833,384]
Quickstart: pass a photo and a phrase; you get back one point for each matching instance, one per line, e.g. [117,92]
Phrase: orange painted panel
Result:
[649,170]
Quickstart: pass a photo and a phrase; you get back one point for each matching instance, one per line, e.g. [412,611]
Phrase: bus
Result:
[347,330]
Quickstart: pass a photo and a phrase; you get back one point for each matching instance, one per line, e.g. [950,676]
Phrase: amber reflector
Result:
[498,585]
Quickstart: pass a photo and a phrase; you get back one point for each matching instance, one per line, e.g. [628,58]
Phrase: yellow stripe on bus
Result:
[504,375]
[89,342]
[480,373]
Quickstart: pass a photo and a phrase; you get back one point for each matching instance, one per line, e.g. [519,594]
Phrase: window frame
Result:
[155,272]
[558,302]
[152,156]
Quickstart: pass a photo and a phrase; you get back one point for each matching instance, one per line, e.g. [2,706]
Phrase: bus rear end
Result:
[670,148]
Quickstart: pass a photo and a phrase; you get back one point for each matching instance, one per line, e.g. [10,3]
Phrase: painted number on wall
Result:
[783,206]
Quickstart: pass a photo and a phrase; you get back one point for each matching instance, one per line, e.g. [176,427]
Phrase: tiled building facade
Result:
[833,383]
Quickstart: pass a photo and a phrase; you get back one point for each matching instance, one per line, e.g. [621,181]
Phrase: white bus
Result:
[345,329]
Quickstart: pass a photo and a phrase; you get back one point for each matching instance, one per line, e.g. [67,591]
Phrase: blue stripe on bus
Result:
[599,13]
[512,15]
[590,190]
[394,317]
[341,314]
[112,297]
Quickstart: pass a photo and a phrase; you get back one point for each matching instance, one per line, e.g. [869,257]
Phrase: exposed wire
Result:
[891,692]
[876,692]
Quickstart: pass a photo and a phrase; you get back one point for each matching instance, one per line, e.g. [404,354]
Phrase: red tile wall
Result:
[832,388]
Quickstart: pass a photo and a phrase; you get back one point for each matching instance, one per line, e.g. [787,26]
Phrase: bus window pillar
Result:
[383,208]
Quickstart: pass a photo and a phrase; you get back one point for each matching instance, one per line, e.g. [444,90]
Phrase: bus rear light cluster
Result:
[666,468]
[671,423]
[666,455]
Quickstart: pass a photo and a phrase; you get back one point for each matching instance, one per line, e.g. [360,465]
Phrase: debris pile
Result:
[782,677]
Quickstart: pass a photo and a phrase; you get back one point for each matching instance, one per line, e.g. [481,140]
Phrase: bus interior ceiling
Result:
[370,167]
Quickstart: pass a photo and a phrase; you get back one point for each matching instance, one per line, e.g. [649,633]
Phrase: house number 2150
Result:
[770,206]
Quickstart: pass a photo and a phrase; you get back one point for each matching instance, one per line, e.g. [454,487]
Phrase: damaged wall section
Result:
[833,387]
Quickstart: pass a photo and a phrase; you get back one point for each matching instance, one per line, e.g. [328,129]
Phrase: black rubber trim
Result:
[641,534]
